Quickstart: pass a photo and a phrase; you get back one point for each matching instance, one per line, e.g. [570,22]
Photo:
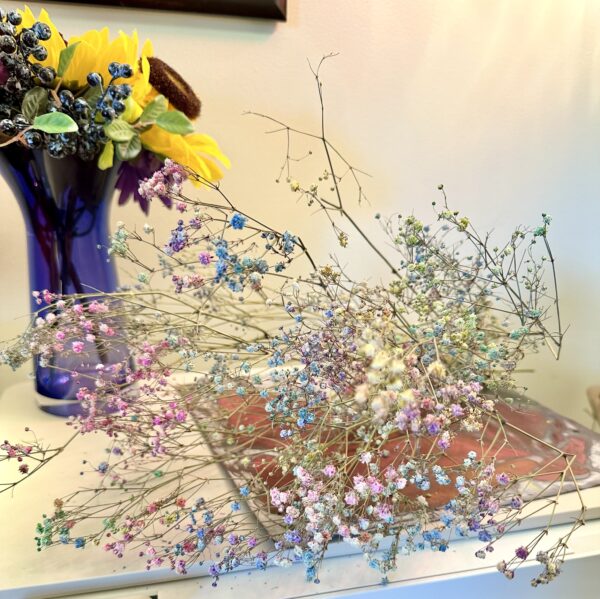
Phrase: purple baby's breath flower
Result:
[522,552]
[503,478]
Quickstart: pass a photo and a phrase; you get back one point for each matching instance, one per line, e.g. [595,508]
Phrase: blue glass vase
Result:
[65,204]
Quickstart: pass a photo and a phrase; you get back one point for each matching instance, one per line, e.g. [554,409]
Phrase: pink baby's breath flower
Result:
[278,498]
[351,498]
[303,475]
[390,474]
[329,470]
[375,486]
[344,531]
[145,360]
[384,512]
[312,496]
[77,346]
[97,308]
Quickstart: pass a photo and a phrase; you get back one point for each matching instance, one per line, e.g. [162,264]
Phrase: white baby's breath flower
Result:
[373,377]
[437,369]
[397,366]
[406,396]
[395,385]
[380,360]
[367,350]
[361,393]
[381,404]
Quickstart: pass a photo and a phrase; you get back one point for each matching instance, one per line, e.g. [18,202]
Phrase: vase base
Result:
[59,407]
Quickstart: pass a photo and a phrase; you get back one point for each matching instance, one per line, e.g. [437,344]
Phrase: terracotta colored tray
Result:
[515,451]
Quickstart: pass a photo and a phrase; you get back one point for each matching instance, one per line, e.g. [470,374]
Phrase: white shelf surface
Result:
[67,572]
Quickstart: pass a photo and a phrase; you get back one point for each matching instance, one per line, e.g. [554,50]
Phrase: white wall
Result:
[497,99]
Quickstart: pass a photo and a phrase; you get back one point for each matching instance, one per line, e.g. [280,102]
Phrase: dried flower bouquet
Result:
[372,414]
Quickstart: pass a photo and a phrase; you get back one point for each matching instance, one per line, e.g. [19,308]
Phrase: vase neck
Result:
[65,204]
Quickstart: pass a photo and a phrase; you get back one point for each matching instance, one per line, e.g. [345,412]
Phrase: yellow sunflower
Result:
[196,151]
[86,57]
[94,51]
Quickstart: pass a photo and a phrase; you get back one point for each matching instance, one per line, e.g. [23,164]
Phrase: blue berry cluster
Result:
[91,108]
[99,105]
[17,73]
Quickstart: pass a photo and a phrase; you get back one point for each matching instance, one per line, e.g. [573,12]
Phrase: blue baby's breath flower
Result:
[238,221]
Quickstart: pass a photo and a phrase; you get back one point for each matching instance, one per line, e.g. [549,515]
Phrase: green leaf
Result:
[118,130]
[65,58]
[174,121]
[157,107]
[107,156]
[128,150]
[55,122]
[35,102]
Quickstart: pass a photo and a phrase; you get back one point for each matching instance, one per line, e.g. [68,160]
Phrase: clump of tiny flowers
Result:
[339,408]
[164,182]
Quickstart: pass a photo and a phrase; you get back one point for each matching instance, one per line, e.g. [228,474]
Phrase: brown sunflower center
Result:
[174,87]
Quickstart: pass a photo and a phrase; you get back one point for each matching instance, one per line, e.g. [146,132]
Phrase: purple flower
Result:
[503,478]
[516,502]
[134,171]
[522,552]
[204,258]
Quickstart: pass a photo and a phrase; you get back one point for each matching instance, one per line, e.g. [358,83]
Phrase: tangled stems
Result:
[30,456]
[277,405]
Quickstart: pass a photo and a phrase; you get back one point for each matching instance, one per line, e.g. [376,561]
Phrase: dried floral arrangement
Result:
[95,98]
[267,406]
